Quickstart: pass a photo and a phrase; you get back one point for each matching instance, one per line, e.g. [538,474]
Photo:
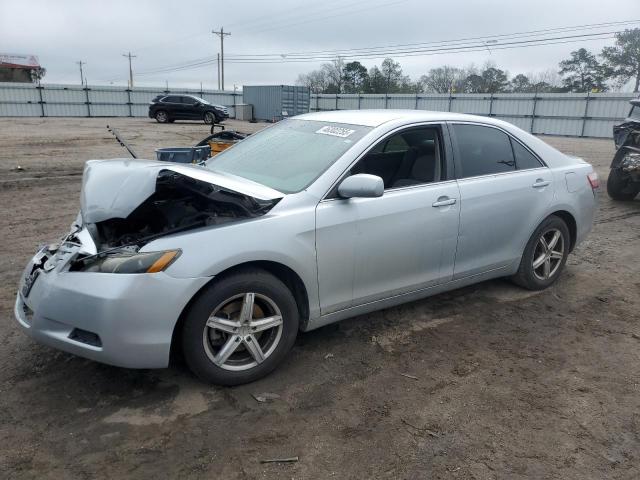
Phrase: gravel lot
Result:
[509,384]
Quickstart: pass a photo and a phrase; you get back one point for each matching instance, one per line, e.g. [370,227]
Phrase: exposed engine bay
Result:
[179,203]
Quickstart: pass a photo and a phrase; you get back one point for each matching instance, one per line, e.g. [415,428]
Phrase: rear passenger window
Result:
[524,158]
[483,150]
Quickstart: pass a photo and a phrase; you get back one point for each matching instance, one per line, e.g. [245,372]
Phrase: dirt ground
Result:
[508,384]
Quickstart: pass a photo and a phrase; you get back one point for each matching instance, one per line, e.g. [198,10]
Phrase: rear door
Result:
[190,108]
[172,105]
[505,192]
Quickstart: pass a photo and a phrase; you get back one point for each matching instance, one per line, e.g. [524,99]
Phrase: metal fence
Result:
[48,100]
[569,114]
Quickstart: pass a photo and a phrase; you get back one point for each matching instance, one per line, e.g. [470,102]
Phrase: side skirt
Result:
[323,320]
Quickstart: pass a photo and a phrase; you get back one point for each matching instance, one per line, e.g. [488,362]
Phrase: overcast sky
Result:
[163,33]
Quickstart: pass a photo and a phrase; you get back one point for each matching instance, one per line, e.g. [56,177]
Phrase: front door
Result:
[374,248]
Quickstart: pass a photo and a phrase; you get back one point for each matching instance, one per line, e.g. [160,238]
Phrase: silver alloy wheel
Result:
[548,254]
[162,116]
[209,118]
[243,331]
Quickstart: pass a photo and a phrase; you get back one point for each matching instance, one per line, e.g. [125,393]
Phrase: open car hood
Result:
[115,188]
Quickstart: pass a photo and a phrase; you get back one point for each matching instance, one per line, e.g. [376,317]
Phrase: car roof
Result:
[375,118]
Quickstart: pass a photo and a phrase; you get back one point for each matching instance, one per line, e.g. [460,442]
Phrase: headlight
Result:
[124,262]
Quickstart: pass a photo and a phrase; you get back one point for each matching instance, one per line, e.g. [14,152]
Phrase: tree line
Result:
[581,72]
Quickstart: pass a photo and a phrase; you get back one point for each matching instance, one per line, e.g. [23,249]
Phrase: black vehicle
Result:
[168,108]
[624,177]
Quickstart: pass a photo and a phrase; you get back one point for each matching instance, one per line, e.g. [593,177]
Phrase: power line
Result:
[475,46]
[486,37]
[389,50]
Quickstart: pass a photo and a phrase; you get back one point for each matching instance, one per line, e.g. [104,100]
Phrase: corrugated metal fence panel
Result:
[18,92]
[348,101]
[109,110]
[63,94]
[560,105]
[107,95]
[599,128]
[402,101]
[571,114]
[558,126]
[476,103]
[436,102]
[372,101]
[512,104]
[607,105]
[20,110]
[144,96]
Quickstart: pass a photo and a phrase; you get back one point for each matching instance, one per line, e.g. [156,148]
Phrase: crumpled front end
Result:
[95,293]
[125,320]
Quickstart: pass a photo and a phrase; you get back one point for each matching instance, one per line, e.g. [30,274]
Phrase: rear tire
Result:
[545,255]
[161,116]
[620,185]
[240,328]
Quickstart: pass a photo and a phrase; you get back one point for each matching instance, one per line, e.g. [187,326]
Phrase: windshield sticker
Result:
[335,131]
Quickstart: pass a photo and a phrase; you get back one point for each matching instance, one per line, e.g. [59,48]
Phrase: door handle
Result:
[540,183]
[443,202]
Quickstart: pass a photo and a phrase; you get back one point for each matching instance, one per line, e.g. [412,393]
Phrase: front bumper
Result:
[125,320]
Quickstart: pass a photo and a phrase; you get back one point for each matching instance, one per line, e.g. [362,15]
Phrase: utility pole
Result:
[80,62]
[129,56]
[221,34]
[218,71]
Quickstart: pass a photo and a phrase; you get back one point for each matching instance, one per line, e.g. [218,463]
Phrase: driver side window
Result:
[410,157]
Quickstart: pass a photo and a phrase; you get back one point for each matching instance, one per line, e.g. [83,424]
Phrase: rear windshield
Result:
[290,155]
[635,112]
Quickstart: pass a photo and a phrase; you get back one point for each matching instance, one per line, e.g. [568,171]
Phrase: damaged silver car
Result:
[315,219]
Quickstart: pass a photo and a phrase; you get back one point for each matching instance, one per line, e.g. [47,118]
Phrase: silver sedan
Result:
[312,220]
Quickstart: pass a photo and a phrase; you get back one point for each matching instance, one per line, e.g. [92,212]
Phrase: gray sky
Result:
[164,33]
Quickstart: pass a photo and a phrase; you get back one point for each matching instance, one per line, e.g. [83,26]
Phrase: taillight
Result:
[593,180]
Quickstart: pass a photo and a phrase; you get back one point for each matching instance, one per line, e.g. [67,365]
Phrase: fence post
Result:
[450,98]
[386,100]
[41,102]
[586,110]
[416,107]
[86,95]
[491,105]
[533,111]
[317,102]
[336,101]
[359,97]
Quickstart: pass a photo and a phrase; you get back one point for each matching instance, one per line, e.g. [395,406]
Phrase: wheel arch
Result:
[286,274]
[570,221]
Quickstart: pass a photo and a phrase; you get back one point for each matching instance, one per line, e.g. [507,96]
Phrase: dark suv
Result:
[168,108]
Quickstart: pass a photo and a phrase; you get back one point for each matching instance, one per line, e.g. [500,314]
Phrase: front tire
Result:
[210,118]
[544,256]
[620,186]
[240,328]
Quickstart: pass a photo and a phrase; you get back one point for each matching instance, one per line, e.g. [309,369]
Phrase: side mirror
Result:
[361,185]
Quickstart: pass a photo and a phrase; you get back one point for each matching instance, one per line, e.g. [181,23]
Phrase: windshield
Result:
[635,112]
[290,155]
[201,100]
